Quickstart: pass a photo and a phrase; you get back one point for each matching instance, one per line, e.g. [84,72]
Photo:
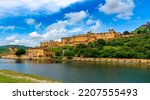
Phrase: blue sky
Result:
[26,22]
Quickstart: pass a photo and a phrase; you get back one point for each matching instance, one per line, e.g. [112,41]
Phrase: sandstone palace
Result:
[83,38]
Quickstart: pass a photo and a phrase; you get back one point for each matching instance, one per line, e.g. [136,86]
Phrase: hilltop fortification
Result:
[83,38]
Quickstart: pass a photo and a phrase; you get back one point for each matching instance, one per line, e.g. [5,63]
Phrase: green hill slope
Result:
[5,49]
[142,29]
[17,46]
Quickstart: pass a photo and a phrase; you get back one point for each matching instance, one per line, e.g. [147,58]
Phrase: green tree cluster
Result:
[20,52]
[131,47]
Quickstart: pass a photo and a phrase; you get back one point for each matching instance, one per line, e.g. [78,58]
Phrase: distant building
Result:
[40,53]
[12,50]
[148,23]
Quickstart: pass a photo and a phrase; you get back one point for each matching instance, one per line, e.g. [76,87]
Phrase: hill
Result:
[142,29]
[137,46]
[17,46]
[5,49]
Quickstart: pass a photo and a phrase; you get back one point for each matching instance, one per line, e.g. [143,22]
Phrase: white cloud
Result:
[11,38]
[65,28]
[122,8]
[35,35]
[97,27]
[37,26]
[21,42]
[55,34]
[75,30]
[76,16]
[30,21]
[60,29]
[26,7]
[90,21]
[7,27]
[58,25]
[54,31]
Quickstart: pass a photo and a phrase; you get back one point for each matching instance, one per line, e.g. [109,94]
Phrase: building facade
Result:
[12,50]
[82,38]
[40,53]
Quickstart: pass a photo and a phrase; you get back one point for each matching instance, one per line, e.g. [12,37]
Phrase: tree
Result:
[81,46]
[147,46]
[69,53]
[120,54]
[126,32]
[91,52]
[91,45]
[101,42]
[139,31]
[107,52]
[131,44]
[148,54]
[20,52]
[116,42]
[79,49]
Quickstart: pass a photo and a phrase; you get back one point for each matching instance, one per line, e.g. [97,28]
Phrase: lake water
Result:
[80,72]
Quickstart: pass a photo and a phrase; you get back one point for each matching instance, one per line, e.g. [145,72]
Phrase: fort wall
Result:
[83,38]
[117,60]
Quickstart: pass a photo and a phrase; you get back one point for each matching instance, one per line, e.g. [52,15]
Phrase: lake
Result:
[81,72]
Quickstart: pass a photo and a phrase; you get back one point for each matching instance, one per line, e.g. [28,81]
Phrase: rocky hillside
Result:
[142,29]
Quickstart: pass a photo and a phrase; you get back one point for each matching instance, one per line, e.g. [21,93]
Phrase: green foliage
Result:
[131,47]
[91,45]
[20,52]
[126,32]
[69,53]
[81,46]
[91,52]
[120,54]
[108,51]
[58,53]
[79,49]
[148,54]
[17,46]
[131,44]
[147,46]
[116,42]
[100,42]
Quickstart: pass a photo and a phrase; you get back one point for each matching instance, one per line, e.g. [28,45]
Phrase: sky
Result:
[28,22]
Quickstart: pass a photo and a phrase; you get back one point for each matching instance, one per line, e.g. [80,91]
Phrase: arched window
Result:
[46,55]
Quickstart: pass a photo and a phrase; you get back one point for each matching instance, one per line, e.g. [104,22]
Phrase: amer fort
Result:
[84,38]
[42,52]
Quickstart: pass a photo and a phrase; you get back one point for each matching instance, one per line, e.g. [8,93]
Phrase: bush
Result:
[100,42]
[147,46]
[20,52]
[120,54]
[126,32]
[116,42]
[107,52]
[131,44]
[69,53]
[148,54]
[91,52]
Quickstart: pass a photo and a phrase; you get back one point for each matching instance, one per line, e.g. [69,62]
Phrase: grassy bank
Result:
[7,76]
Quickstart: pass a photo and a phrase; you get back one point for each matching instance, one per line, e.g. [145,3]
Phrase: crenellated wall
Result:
[83,38]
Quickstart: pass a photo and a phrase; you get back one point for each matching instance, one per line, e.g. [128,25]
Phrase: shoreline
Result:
[9,76]
[117,60]
[82,59]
